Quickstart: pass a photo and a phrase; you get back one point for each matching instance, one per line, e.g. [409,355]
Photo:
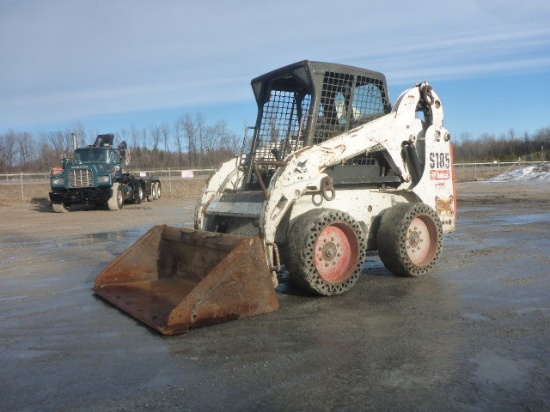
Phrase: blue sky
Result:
[113,64]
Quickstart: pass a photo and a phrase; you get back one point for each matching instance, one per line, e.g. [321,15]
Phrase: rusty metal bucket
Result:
[174,279]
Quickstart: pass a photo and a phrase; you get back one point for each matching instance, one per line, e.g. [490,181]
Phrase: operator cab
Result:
[306,103]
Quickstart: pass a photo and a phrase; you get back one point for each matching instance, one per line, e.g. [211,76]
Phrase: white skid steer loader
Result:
[332,171]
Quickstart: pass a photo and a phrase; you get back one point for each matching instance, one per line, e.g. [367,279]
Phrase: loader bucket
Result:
[174,279]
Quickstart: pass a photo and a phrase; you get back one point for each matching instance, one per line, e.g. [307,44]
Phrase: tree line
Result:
[506,147]
[191,143]
[188,143]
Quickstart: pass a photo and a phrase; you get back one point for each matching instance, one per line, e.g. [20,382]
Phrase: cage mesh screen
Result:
[347,101]
[280,126]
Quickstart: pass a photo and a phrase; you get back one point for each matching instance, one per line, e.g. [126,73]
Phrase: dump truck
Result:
[332,171]
[95,176]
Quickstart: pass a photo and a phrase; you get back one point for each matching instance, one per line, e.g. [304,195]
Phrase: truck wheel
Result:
[138,194]
[59,208]
[326,250]
[117,199]
[153,193]
[410,239]
[159,190]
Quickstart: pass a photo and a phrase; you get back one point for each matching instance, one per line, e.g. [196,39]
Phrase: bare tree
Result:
[219,144]
[48,157]
[134,133]
[190,132]
[27,151]
[201,134]
[179,130]
[60,141]
[155,132]
[165,131]
[8,142]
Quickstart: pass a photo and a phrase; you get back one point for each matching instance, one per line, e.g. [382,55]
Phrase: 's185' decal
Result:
[440,161]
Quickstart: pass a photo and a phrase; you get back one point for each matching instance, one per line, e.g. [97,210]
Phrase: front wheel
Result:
[117,199]
[59,208]
[410,239]
[326,251]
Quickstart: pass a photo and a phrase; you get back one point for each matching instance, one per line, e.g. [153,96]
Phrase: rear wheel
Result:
[410,239]
[138,194]
[152,193]
[159,190]
[155,191]
[326,251]
[117,199]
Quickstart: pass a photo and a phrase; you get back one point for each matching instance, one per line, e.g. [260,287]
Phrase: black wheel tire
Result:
[326,251]
[138,194]
[59,208]
[159,190]
[116,202]
[152,193]
[410,239]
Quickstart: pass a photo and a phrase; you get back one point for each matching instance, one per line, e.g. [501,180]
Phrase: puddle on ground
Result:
[501,370]
[523,219]
[12,246]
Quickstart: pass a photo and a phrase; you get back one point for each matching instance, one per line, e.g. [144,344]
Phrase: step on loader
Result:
[332,171]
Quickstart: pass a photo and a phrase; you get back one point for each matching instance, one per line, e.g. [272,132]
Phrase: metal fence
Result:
[488,170]
[165,175]
[464,171]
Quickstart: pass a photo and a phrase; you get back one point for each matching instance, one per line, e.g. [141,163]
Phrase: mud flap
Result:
[174,279]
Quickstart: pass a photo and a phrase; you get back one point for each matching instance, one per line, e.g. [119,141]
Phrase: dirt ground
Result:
[472,336]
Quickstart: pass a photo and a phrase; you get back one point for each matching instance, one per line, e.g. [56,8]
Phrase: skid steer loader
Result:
[332,171]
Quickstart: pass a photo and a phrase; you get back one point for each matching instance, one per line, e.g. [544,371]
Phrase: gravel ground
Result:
[472,336]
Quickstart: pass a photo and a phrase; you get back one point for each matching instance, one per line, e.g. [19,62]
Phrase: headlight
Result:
[58,181]
[104,179]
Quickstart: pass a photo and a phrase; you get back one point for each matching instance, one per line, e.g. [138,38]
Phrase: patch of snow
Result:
[537,172]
